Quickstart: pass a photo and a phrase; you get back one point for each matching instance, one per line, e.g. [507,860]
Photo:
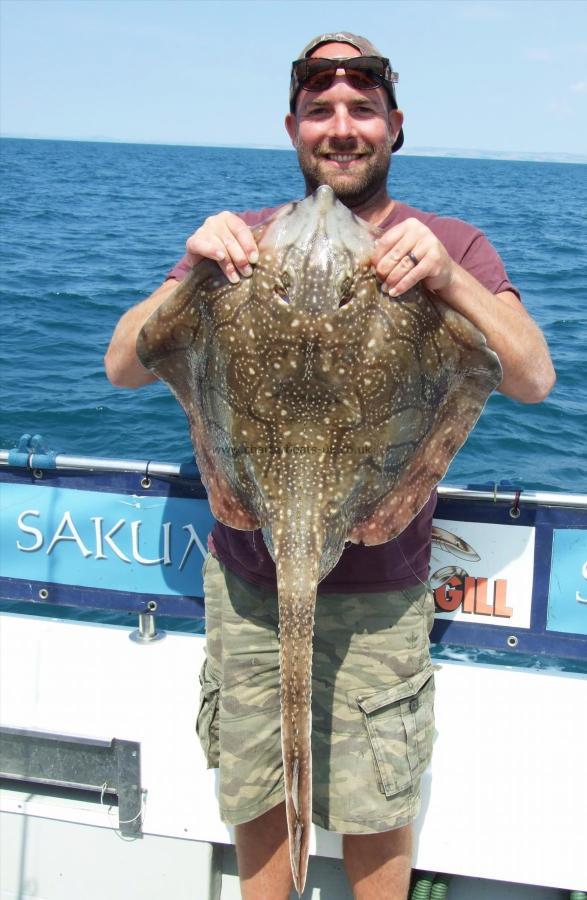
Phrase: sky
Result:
[504,76]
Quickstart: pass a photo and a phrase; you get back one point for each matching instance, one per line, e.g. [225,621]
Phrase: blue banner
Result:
[567,595]
[110,541]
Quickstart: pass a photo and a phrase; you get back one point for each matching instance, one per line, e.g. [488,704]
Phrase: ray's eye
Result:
[283,285]
[346,291]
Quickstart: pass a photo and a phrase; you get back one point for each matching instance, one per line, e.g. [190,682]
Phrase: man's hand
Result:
[228,241]
[409,253]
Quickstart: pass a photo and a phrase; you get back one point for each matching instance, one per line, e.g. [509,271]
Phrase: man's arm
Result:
[528,373]
[121,362]
[227,240]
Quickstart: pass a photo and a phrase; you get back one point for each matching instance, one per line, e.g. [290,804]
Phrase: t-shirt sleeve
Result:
[482,260]
[251,217]
[180,269]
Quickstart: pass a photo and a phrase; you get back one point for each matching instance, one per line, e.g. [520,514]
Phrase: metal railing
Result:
[188,471]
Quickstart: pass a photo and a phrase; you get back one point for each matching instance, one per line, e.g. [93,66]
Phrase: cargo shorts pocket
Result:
[400,725]
[207,723]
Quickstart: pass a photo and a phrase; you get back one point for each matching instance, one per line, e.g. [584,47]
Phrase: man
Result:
[375,609]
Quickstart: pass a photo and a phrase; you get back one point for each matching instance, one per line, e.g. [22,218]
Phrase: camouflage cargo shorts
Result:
[372,703]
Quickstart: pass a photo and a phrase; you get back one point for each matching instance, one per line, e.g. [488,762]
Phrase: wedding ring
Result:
[413,258]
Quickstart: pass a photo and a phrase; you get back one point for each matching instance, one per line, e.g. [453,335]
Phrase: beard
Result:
[354,186]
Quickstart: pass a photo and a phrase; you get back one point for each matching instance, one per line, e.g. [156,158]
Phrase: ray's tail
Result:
[297,599]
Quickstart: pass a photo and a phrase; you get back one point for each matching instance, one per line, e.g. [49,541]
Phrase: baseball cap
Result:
[365,48]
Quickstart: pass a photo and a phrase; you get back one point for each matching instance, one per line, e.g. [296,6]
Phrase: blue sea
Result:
[89,229]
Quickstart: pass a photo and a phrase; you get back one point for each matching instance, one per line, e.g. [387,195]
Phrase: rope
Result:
[109,808]
[515,509]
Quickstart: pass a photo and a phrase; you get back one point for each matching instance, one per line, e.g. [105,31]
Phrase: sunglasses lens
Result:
[362,79]
[320,79]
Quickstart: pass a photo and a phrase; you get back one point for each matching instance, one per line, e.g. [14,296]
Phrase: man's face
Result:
[343,136]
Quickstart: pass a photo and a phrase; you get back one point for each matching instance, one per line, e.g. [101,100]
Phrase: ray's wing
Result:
[460,386]
[173,344]
[174,329]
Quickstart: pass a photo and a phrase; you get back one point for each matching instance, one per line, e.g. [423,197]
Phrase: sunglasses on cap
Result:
[363,73]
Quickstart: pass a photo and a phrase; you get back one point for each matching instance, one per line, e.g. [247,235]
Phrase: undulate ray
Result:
[320,411]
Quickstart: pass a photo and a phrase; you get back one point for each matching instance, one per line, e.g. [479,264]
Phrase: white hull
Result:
[503,800]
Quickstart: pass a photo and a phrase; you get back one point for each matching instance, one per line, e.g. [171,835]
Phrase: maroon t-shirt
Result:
[405,560]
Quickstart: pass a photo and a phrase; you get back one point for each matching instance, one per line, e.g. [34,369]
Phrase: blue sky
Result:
[505,76]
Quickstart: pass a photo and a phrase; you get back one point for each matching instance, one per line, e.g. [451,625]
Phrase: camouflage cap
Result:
[365,48]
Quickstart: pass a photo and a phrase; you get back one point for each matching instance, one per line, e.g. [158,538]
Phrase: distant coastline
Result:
[513,156]
[439,152]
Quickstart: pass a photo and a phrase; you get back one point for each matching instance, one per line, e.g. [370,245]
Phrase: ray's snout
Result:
[324,198]
[316,247]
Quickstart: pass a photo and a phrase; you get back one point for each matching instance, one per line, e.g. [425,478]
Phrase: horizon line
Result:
[452,152]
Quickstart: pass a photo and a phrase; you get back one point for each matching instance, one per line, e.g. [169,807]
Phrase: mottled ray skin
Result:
[320,411]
